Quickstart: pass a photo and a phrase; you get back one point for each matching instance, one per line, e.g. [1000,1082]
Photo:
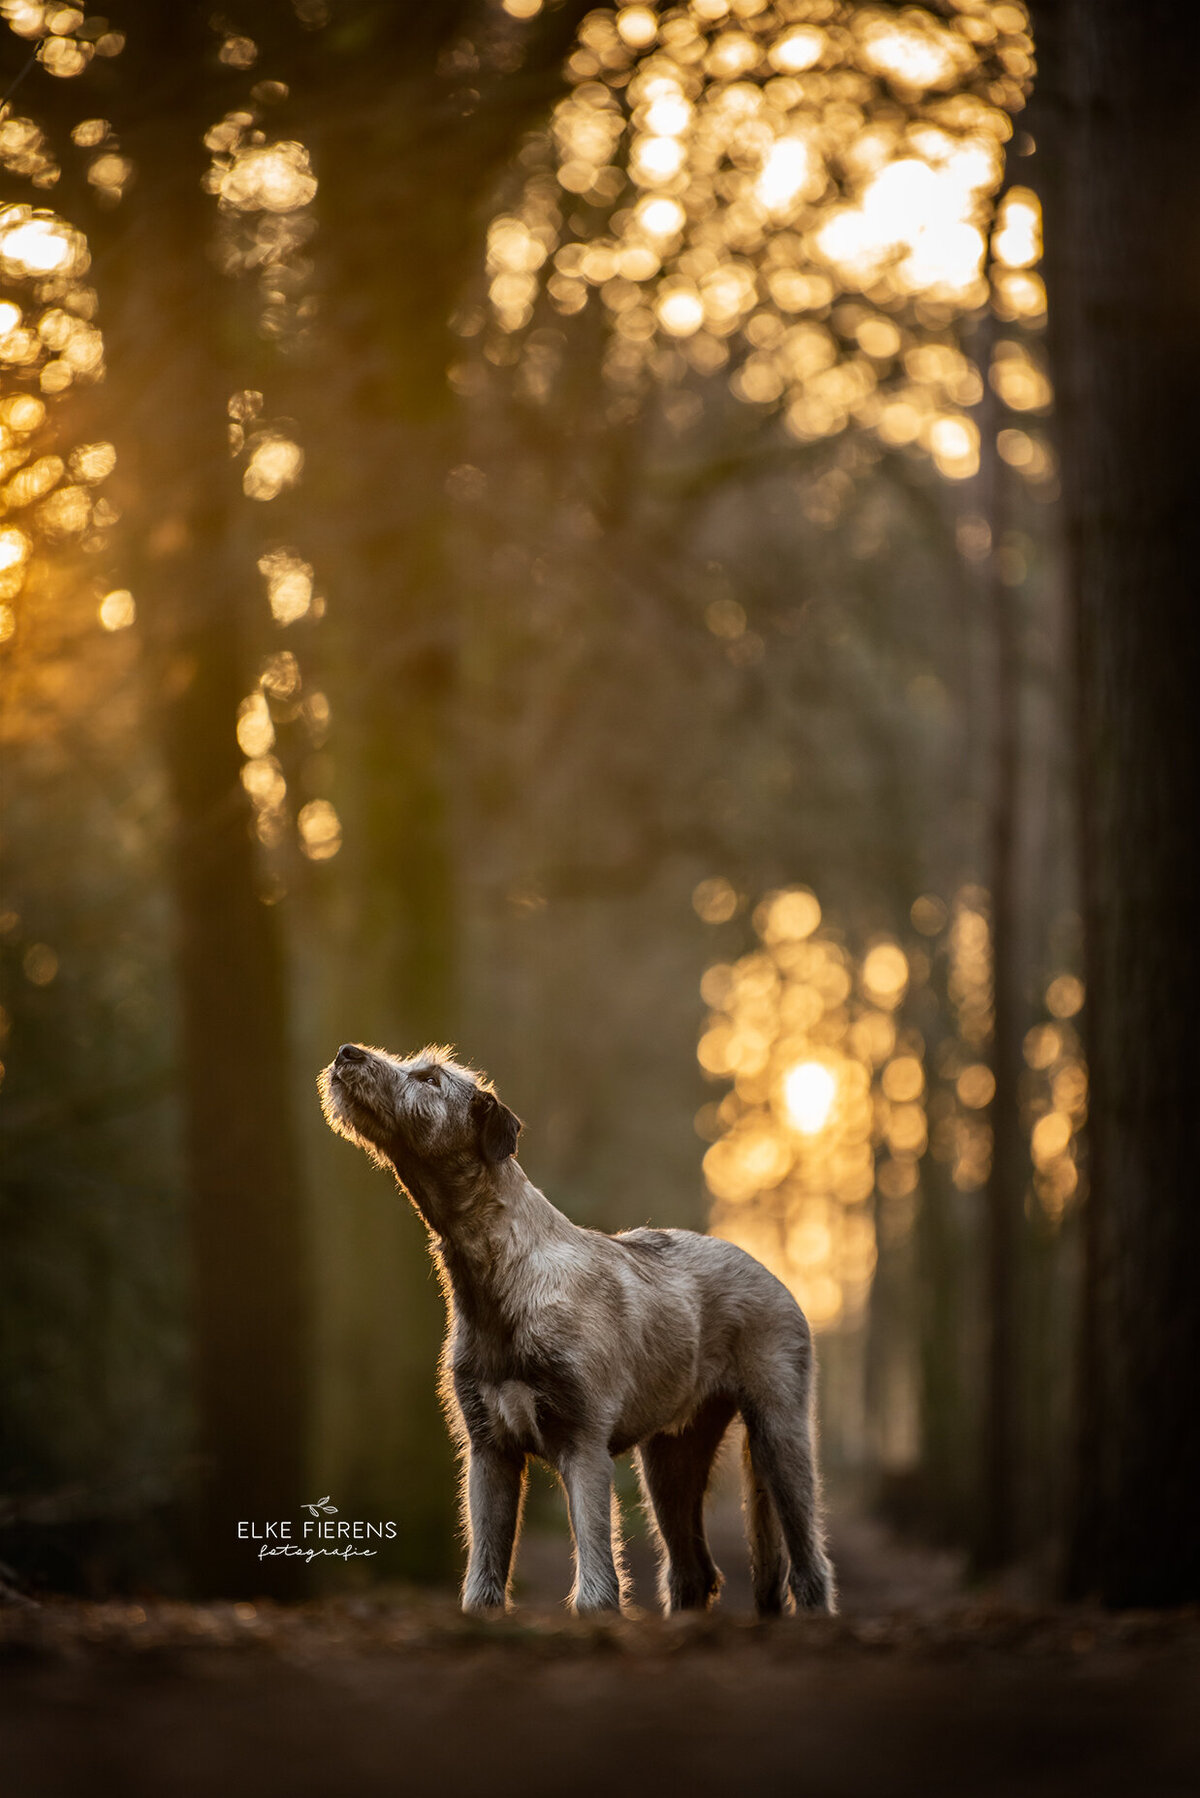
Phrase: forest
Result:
[652,544]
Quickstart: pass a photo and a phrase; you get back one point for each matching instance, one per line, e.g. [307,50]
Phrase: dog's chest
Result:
[506,1402]
[512,1408]
[515,1387]
[515,1352]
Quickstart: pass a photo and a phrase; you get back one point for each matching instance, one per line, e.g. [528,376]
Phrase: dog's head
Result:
[424,1109]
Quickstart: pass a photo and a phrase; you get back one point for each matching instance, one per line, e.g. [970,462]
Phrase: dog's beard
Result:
[381,1116]
[348,1116]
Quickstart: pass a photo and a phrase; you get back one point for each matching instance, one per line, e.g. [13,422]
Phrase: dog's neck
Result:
[474,1209]
[485,1235]
[439,1195]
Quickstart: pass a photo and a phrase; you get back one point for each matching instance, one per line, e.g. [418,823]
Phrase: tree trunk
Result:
[997,1529]
[175,358]
[1120,152]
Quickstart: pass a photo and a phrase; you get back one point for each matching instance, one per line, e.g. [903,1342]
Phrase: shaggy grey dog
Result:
[575,1346]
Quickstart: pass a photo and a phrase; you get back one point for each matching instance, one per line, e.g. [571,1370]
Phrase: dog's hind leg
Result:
[781,1439]
[674,1472]
[768,1556]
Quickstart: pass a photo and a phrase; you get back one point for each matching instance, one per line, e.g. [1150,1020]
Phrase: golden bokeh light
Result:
[1017,378]
[274,464]
[268,178]
[280,677]
[903,1079]
[52,492]
[790,171]
[715,900]
[289,581]
[32,482]
[1057,1107]
[747,169]
[263,779]
[40,964]
[117,610]
[48,340]
[1043,1046]
[832,1104]
[1051,1134]
[680,311]
[911,49]
[23,413]
[976,1086]
[255,731]
[797,49]
[885,974]
[58,26]
[789,916]
[238,52]
[320,830]
[637,25]
[954,444]
[1017,239]
[93,462]
[929,914]
[110,174]
[35,244]
[661,217]
[63,56]
[26,151]
[792,1162]
[1064,996]
[970,975]
[264,191]
[27,18]
[14,548]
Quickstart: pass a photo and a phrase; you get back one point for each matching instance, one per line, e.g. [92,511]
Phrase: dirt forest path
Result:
[908,1691]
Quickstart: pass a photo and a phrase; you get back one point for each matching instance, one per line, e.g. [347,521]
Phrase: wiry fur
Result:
[575,1346]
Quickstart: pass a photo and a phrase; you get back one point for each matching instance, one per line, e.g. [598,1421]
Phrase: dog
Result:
[576,1346]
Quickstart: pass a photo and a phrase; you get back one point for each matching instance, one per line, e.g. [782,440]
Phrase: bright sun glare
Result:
[809,1090]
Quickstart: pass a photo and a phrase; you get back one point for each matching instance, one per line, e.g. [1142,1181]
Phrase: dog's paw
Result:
[816,1590]
[484,1604]
[596,1604]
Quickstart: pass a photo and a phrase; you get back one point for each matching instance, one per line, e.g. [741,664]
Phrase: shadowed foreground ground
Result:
[397,1694]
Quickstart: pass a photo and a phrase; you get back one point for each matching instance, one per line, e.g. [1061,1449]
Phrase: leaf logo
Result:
[321,1505]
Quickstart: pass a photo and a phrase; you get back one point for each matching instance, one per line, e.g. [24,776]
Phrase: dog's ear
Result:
[498,1127]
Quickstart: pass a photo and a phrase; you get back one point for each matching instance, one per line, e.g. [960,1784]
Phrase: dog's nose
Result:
[351,1052]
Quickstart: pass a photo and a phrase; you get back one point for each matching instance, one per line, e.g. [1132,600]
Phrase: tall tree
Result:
[1120,133]
[450,91]
[175,346]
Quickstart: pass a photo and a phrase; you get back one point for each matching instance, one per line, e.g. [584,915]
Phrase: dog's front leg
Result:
[586,1471]
[495,1491]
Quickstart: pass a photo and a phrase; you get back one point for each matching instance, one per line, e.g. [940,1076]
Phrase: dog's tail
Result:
[768,1556]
